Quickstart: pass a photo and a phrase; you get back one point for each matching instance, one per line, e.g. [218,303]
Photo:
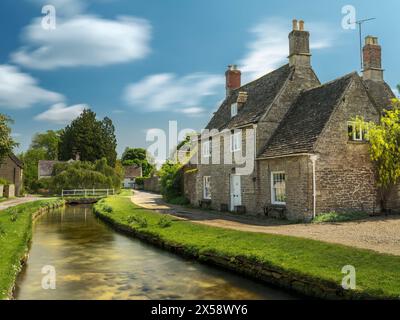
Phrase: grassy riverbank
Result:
[307,266]
[15,235]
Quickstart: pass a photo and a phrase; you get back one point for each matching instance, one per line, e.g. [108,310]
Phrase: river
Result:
[92,261]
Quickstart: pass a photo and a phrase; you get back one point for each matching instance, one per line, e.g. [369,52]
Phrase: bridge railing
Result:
[87,192]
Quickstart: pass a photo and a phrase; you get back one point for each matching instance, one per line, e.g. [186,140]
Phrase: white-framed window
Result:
[206,149]
[236,141]
[234,109]
[278,187]
[355,131]
[207,187]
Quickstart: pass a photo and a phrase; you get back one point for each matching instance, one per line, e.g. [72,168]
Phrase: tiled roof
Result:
[133,171]
[45,167]
[16,160]
[260,94]
[380,92]
[305,120]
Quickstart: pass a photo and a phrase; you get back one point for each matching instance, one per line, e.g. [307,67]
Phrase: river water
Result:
[92,261]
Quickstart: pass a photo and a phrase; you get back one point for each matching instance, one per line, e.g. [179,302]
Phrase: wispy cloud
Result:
[161,92]
[396,92]
[269,47]
[19,90]
[61,113]
[84,40]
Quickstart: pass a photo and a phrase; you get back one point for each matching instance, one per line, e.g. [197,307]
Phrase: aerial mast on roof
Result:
[359,23]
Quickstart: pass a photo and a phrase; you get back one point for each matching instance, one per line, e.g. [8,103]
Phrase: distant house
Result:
[11,169]
[131,173]
[45,167]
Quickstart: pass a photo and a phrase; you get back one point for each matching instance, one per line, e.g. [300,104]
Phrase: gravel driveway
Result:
[380,234]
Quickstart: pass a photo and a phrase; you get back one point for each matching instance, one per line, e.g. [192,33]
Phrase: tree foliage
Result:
[140,157]
[171,175]
[49,142]
[384,140]
[84,175]
[93,139]
[7,143]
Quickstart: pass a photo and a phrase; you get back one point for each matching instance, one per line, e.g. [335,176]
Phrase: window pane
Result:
[278,188]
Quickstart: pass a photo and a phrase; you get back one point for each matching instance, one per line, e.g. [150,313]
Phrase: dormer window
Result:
[355,131]
[234,109]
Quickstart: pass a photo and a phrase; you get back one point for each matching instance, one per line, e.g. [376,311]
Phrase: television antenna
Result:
[359,23]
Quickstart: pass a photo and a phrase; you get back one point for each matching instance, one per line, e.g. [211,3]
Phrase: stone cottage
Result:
[308,157]
[131,173]
[11,169]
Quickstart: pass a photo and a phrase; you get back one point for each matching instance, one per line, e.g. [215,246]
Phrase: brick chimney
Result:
[233,79]
[299,45]
[372,59]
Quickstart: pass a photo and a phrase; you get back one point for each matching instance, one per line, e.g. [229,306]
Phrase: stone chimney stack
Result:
[233,79]
[372,59]
[299,45]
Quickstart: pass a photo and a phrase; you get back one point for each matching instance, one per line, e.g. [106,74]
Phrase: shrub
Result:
[140,181]
[4,182]
[2,231]
[84,175]
[14,215]
[171,175]
[140,221]
[107,208]
[340,217]
[182,201]
[165,222]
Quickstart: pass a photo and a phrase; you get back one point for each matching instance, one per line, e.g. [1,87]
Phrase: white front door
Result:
[236,194]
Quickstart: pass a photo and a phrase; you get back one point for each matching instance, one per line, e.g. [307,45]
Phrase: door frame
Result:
[231,191]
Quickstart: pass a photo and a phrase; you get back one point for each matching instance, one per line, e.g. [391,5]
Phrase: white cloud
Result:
[396,92]
[168,92]
[84,40]
[60,113]
[193,111]
[270,45]
[19,90]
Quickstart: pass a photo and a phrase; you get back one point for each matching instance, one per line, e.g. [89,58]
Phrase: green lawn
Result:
[15,234]
[377,274]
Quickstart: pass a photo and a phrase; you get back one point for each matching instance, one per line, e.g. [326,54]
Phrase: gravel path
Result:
[16,201]
[380,234]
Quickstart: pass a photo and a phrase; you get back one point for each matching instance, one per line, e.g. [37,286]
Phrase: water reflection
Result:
[94,262]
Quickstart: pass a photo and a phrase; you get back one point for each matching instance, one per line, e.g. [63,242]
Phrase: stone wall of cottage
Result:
[298,179]
[12,173]
[345,174]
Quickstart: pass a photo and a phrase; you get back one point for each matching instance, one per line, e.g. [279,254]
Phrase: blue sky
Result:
[143,63]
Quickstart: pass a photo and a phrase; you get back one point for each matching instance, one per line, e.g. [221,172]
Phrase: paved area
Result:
[380,234]
[16,201]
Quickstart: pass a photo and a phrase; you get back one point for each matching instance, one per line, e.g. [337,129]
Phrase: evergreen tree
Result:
[90,138]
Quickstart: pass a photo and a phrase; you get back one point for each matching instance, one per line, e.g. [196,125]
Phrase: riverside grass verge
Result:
[15,236]
[310,267]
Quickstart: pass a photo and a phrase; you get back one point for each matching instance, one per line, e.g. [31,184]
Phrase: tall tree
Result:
[6,141]
[140,157]
[91,138]
[49,141]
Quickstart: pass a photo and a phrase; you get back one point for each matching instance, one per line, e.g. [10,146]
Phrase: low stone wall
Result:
[302,284]
[152,184]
